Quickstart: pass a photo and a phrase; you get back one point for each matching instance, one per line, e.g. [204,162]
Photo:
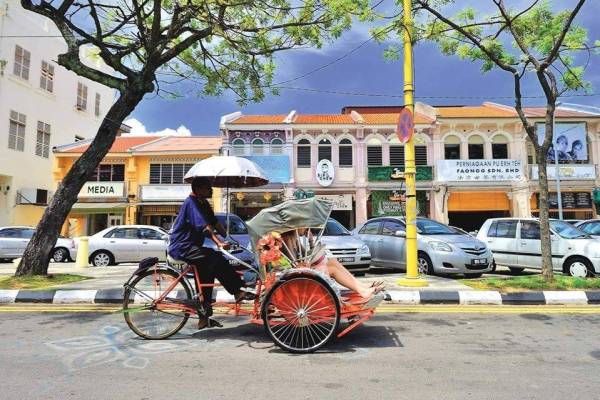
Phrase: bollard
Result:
[83,258]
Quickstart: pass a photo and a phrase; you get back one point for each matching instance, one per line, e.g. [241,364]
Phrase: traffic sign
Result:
[406,128]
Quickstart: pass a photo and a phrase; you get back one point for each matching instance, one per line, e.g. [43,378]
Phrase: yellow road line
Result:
[388,309]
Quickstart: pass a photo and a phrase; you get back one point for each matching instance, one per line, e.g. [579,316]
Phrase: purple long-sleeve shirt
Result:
[188,229]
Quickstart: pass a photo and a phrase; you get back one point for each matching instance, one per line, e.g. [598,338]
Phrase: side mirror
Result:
[400,233]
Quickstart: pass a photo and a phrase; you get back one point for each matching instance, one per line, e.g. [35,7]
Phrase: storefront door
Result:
[469,210]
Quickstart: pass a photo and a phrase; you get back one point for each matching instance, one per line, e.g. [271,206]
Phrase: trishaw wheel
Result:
[301,314]
[143,317]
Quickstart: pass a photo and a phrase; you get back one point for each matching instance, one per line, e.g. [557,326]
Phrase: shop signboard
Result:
[567,171]
[570,139]
[392,203]
[275,167]
[325,173]
[479,170]
[341,202]
[571,200]
[164,192]
[386,174]
[98,190]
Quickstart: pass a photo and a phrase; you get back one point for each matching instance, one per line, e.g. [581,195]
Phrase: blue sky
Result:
[363,71]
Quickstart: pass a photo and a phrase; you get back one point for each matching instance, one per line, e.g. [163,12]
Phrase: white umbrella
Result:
[228,171]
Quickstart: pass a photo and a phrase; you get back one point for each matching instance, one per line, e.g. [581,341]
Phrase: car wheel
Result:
[102,259]
[474,276]
[578,267]
[60,255]
[516,270]
[424,264]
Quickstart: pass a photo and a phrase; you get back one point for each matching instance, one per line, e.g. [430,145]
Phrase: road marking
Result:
[386,309]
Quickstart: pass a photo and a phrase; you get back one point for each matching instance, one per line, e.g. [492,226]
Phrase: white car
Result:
[590,226]
[14,240]
[127,243]
[515,243]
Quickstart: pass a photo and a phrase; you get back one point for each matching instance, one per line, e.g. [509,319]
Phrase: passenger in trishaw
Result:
[195,221]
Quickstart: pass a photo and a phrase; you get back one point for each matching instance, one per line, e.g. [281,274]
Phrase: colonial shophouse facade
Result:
[473,162]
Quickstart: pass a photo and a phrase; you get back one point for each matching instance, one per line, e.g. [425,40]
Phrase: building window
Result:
[324,150]
[109,173]
[42,144]
[238,147]
[168,174]
[499,147]
[47,77]
[81,96]
[396,153]
[16,131]
[303,154]
[421,155]
[97,105]
[276,146]
[374,153]
[258,146]
[452,148]
[22,62]
[476,144]
[345,153]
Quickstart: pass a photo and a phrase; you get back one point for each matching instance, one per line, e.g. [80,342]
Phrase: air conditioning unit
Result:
[33,196]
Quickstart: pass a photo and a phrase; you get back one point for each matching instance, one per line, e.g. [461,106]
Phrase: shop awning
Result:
[90,208]
[478,201]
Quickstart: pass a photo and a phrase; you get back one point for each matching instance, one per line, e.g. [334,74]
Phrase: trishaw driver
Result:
[195,221]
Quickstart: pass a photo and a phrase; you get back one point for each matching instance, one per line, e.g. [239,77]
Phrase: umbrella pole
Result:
[228,208]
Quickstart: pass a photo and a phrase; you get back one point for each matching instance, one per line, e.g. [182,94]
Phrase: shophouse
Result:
[473,162]
[139,181]
[41,105]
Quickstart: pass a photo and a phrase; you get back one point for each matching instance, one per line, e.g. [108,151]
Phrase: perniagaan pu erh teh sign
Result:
[479,170]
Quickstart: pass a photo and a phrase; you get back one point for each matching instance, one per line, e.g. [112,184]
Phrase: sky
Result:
[439,80]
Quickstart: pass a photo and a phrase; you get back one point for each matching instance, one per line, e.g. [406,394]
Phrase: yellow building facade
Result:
[140,181]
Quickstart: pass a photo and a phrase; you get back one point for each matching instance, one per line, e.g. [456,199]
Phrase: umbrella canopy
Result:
[228,171]
[292,214]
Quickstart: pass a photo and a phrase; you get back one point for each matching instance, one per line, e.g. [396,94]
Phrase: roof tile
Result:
[122,144]
[260,119]
[183,143]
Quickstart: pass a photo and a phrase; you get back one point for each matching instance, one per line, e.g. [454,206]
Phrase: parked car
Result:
[591,227]
[127,243]
[573,221]
[515,243]
[349,250]
[441,249]
[14,240]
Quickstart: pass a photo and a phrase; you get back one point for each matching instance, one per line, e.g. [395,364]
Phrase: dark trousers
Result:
[212,264]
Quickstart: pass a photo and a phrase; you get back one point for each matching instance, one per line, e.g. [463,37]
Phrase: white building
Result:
[41,105]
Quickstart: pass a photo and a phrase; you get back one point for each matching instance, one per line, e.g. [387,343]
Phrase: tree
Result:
[219,44]
[533,41]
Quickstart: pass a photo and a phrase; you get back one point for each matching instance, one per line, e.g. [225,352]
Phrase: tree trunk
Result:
[37,254]
[546,243]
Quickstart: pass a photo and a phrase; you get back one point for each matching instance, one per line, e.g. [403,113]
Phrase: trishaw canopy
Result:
[292,214]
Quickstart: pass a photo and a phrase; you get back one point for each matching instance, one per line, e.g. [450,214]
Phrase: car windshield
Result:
[566,230]
[236,225]
[429,227]
[334,228]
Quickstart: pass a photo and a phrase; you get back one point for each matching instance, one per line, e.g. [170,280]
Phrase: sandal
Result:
[208,323]
[375,284]
[243,295]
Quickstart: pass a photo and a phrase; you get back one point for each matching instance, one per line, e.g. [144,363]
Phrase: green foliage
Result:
[533,282]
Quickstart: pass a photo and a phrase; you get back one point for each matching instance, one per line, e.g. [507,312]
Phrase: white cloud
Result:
[139,129]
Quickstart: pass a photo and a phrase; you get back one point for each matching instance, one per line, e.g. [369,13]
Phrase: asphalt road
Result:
[429,355]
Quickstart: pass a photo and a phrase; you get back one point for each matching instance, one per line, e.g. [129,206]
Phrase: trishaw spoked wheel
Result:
[163,320]
[301,314]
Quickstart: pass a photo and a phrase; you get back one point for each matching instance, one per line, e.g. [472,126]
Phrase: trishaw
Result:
[301,308]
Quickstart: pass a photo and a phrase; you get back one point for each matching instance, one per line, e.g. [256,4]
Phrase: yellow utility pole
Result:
[410,171]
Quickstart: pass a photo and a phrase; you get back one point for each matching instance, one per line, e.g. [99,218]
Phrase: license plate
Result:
[233,262]
[346,259]
[479,261]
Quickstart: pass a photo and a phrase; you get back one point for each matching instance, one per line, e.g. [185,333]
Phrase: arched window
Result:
[276,146]
[258,146]
[238,147]
[476,144]
[396,153]
[452,148]
[499,147]
[345,153]
[303,153]
[324,150]
[374,153]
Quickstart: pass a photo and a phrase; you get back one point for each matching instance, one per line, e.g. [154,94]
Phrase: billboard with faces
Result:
[569,140]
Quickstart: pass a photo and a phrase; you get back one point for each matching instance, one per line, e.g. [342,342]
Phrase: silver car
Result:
[350,251]
[127,243]
[441,249]
[516,244]
[14,240]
